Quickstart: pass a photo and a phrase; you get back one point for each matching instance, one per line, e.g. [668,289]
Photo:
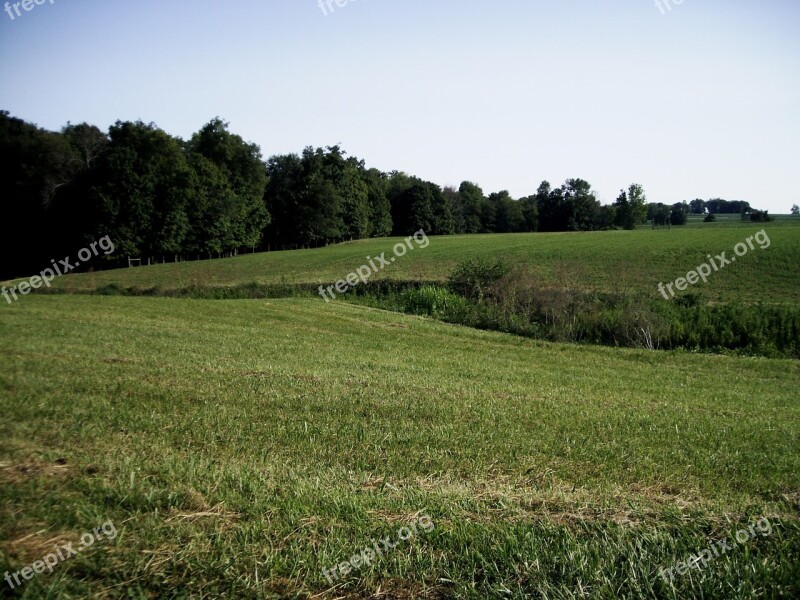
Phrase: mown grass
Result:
[618,261]
[240,447]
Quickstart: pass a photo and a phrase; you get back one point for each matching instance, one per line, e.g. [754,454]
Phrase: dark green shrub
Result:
[474,278]
[434,301]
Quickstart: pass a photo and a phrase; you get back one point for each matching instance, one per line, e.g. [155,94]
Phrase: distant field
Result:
[240,447]
[612,261]
[736,220]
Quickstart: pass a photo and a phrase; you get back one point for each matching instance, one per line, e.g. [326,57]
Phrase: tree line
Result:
[160,197]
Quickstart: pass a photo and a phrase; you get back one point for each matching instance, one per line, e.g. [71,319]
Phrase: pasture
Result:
[605,260]
[244,448]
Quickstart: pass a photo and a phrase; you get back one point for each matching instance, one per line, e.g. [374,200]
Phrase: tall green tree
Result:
[571,207]
[697,206]
[631,207]
[211,210]
[623,210]
[346,175]
[241,163]
[677,215]
[472,202]
[606,217]
[581,205]
[509,217]
[304,199]
[659,213]
[35,164]
[553,212]
[453,199]
[141,187]
[530,213]
[378,199]
[443,222]
[412,209]
[87,141]
[638,203]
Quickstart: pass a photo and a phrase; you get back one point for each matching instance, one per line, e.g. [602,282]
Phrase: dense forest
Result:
[160,198]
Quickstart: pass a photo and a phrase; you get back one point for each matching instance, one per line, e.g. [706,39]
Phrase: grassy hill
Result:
[241,447]
[610,261]
[244,448]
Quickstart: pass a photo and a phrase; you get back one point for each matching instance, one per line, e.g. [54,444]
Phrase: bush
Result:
[513,305]
[473,278]
[433,301]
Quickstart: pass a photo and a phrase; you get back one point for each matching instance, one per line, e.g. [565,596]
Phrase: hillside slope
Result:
[611,261]
[231,438]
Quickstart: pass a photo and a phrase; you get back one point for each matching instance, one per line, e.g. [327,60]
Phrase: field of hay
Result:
[244,448]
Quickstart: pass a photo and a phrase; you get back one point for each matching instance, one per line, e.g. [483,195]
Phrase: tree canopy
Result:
[158,196]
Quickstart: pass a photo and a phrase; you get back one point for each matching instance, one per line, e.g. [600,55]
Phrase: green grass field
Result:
[610,261]
[735,220]
[242,447]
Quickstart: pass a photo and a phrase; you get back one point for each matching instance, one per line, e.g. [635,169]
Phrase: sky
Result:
[693,100]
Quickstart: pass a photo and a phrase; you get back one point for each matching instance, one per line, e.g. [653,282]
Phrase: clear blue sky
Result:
[701,101]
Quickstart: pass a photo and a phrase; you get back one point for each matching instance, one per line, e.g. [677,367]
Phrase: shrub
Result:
[517,306]
[433,301]
[473,278]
